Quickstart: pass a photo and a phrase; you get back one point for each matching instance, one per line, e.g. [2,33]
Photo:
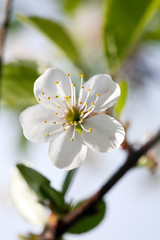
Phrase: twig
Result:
[3,32]
[82,210]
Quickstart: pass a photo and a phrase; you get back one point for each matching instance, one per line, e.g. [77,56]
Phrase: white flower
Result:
[65,120]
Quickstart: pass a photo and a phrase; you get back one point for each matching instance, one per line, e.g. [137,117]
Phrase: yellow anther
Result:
[58,107]
[47,134]
[39,99]
[80,102]
[64,129]
[54,122]
[57,82]
[73,85]
[67,74]
[89,89]
[48,98]
[63,124]
[42,93]
[71,122]
[92,103]
[82,75]
[55,114]
[90,129]
[71,139]
[89,110]
[75,122]
[82,112]
[97,95]
[56,96]
[69,96]
[82,86]
[44,121]
[85,104]
[81,120]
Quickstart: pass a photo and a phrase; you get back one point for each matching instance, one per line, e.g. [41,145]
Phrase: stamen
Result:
[86,130]
[39,99]
[54,122]
[81,89]
[74,94]
[71,123]
[57,82]
[63,124]
[48,98]
[56,96]
[71,89]
[92,103]
[91,108]
[58,106]
[74,130]
[89,90]
[67,74]
[55,114]
[42,93]
[47,134]
[69,104]
[64,129]
[44,121]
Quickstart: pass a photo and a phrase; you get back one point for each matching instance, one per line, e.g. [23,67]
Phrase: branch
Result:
[3,32]
[83,209]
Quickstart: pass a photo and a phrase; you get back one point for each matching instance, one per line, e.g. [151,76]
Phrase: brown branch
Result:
[3,32]
[86,206]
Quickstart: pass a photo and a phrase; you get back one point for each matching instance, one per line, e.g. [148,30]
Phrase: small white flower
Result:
[65,120]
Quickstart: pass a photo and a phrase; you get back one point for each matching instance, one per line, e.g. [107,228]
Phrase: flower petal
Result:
[54,82]
[108,91]
[107,133]
[65,153]
[37,121]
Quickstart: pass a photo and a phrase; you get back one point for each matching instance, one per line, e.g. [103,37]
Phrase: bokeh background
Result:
[133,205]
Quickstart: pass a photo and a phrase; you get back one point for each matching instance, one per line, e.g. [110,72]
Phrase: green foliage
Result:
[68,179]
[17,84]
[56,33]
[153,31]
[41,186]
[124,25]
[70,5]
[122,99]
[91,220]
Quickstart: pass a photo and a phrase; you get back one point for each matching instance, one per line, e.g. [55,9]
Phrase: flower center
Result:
[73,116]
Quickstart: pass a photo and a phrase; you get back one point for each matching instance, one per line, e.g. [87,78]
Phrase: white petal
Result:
[26,201]
[34,128]
[67,154]
[108,91]
[107,133]
[45,86]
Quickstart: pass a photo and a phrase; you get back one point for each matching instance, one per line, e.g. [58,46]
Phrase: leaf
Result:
[153,30]
[124,25]
[68,179]
[70,5]
[17,84]
[41,186]
[91,220]
[122,99]
[56,33]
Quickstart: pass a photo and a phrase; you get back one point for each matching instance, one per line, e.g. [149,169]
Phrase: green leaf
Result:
[91,220]
[122,99]
[17,84]
[153,30]
[67,180]
[56,33]
[41,186]
[124,25]
[70,5]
